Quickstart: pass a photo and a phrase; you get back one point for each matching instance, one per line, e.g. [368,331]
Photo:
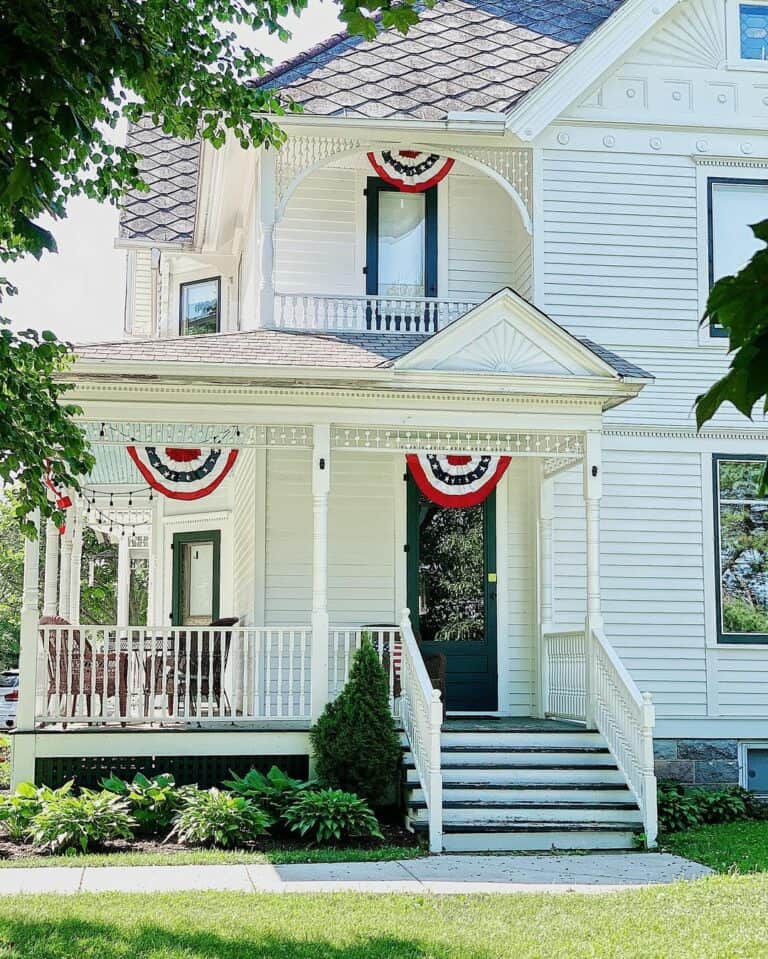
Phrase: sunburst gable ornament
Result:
[184,473]
[409,170]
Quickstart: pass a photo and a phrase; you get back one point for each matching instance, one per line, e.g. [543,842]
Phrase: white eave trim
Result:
[584,67]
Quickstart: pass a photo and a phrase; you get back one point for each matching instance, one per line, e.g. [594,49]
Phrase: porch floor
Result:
[508,724]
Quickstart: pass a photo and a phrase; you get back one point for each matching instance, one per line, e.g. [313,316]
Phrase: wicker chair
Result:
[210,657]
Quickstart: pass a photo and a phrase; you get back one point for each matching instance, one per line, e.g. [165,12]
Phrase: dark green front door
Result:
[196,577]
[452,594]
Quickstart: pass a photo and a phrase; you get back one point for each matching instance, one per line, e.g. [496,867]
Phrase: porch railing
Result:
[585,680]
[390,314]
[422,715]
[98,675]
[344,644]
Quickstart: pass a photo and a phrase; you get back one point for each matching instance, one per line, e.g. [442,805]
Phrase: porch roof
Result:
[295,348]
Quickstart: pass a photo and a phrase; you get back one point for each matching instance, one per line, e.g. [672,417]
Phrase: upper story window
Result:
[753,31]
[200,306]
[741,530]
[732,205]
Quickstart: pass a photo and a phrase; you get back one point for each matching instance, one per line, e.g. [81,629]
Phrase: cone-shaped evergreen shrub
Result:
[355,741]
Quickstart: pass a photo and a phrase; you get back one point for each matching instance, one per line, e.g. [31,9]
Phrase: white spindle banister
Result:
[565,674]
[391,314]
[422,715]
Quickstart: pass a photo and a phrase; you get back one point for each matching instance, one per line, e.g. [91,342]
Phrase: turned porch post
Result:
[51,585]
[593,488]
[123,579]
[267,202]
[25,715]
[75,566]
[65,572]
[321,485]
[546,602]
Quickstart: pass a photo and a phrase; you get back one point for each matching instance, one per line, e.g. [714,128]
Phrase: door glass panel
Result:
[401,244]
[451,573]
[197,584]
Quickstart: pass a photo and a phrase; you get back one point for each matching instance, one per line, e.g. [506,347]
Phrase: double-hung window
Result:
[200,306]
[732,206]
[741,533]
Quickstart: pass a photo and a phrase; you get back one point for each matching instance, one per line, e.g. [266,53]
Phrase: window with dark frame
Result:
[741,549]
[200,306]
[733,204]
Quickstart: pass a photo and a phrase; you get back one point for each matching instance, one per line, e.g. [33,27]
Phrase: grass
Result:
[218,857]
[718,918]
[733,847]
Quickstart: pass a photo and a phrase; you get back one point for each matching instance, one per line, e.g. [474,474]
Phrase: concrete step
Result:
[511,759]
[516,837]
[480,738]
[495,773]
[528,813]
[483,793]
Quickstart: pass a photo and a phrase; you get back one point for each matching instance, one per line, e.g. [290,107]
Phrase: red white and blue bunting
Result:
[181,472]
[456,481]
[409,170]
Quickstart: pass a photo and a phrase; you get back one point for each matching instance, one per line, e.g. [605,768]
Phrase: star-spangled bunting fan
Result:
[409,170]
[180,472]
[455,481]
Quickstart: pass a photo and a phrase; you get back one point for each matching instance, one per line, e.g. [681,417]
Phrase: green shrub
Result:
[355,741]
[274,791]
[81,822]
[722,805]
[215,818]
[331,816]
[681,808]
[152,802]
[678,809]
[18,811]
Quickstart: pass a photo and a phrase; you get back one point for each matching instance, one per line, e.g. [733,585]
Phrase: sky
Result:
[79,292]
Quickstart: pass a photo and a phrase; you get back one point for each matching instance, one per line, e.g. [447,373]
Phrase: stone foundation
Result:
[697,762]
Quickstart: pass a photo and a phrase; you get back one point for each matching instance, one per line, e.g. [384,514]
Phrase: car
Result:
[9,697]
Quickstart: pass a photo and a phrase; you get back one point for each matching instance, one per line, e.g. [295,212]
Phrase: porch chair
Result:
[211,660]
[75,669]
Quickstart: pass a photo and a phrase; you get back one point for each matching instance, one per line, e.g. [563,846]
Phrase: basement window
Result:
[200,306]
[753,767]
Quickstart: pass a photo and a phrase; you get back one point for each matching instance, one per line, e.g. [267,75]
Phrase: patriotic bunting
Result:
[180,472]
[409,170]
[456,481]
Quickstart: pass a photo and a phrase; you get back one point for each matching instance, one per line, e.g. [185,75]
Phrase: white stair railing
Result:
[421,712]
[585,680]
[625,717]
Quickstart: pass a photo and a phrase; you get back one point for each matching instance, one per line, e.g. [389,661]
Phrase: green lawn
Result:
[218,857]
[718,918]
[733,847]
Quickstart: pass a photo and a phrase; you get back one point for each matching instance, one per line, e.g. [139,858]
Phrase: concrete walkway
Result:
[436,874]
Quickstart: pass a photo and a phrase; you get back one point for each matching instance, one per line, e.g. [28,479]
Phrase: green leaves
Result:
[215,818]
[331,816]
[274,792]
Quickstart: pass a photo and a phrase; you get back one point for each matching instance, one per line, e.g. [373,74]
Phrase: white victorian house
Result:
[437,354]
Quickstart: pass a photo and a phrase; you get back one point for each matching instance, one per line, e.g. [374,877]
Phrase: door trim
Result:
[199,536]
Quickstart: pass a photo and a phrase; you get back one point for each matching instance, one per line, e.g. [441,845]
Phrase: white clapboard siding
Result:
[488,248]
[620,250]
[517,684]
[742,682]
[316,240]
[652,556]
[139,312]
[244,535]
[361,548]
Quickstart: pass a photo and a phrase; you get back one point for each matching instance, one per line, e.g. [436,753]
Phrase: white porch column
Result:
[546,600]
[75,566]
[123,579]
[593,488]
[321,485]
[65,573]
[51,586]
[24,745]
[267,202]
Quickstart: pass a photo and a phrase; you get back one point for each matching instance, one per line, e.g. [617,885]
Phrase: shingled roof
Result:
[297,348]
[462,55]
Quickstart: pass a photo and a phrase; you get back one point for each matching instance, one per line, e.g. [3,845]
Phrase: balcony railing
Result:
[384,314]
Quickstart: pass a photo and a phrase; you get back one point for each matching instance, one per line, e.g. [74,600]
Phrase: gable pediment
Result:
[505,335]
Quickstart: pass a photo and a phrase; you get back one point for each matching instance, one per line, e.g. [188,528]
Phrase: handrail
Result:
[422,714]
[626,718]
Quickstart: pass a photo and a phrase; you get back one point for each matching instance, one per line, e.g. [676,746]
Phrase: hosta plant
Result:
[331,816]
[18,811]
[81,822]
[274,791]
[152,802]
[215,818]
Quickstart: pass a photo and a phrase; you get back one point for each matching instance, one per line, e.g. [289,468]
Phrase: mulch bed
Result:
[394,835]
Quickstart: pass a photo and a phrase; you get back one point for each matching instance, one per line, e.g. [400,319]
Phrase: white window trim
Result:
[705,171]
[205,271]
[733,36]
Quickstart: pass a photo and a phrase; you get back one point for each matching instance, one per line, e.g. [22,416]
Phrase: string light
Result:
[116,431]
